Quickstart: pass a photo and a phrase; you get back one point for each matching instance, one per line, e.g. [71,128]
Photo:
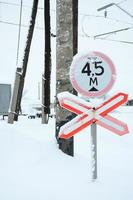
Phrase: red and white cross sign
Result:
[86,115]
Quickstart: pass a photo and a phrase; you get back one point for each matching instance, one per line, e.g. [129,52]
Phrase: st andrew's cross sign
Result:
[87,115]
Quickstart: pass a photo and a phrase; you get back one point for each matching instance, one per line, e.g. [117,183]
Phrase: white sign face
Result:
[93,74]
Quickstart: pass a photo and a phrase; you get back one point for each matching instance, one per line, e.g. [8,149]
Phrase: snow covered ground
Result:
[32,167]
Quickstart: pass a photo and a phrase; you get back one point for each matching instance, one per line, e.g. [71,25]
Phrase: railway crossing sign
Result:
[86,115]
[93,74]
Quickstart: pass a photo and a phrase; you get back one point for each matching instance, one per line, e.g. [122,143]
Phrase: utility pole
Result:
[66,48]
[47,65]
[21,72]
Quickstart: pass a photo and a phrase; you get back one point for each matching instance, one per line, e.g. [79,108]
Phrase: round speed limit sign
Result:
[93,74]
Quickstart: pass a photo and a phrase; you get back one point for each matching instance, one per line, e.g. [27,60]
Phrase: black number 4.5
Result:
[86,69]
[97,65]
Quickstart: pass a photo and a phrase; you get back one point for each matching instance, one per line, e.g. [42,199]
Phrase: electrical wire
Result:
[112,40]
[53,35]
[121,2]
[113,32]
[107,33]
[24,6]
[15,24]
[82,14]
[15,4]
[97,37]
[110,18]
[25,26]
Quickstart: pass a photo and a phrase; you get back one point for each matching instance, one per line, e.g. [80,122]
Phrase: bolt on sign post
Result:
[92,75]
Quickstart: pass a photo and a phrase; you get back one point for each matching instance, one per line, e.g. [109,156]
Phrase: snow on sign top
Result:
[92,74]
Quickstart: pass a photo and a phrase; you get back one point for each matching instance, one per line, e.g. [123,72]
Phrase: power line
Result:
[37,27]
[113,32]
[112,40]
[82,25]
[25,6]
[110,18]
[82,14]
[53,35]
[116,20]
[121,2]
[15,4]
[107,39]
[15,24]
[107,33]
[25,26]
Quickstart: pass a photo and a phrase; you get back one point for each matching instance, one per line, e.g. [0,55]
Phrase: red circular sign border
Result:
[93,94]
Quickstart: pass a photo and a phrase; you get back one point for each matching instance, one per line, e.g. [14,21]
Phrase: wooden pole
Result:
[47,65]
[20,77]
[66,47]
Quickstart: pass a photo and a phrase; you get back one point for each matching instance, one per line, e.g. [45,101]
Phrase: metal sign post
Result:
[94,151]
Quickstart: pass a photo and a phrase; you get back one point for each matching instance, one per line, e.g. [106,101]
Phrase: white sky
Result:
[120,53]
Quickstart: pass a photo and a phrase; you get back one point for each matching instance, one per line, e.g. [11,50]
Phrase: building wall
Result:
[5,96]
